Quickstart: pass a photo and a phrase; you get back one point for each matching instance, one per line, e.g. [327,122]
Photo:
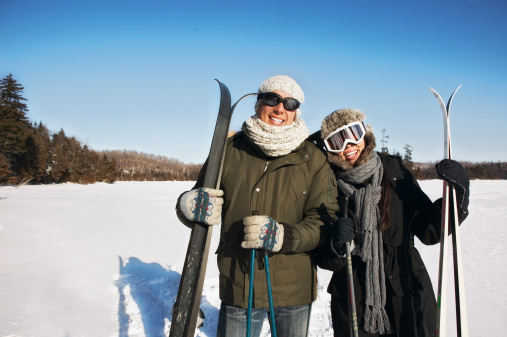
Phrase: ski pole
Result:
[270,296]
[250,293]
[250,288]
[350,278]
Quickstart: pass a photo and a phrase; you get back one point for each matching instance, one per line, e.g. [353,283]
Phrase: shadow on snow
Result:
[153,288]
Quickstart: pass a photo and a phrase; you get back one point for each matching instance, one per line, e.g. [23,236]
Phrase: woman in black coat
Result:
[393,291]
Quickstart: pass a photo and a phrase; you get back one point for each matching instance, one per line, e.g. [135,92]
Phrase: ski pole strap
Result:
[260,261]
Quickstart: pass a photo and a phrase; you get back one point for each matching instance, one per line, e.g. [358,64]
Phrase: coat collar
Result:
[392,167]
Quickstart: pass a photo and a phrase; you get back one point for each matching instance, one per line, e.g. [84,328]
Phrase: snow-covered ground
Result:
[105,260]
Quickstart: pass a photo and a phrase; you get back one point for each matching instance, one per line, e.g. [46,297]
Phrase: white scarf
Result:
[276,141]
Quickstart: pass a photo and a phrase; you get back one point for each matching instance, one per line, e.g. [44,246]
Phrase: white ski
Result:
[459,287]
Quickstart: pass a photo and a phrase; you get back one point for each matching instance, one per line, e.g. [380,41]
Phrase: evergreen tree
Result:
[88,160]
[14,126]
[42,158]
[108,170]
[28,160]
[74,152]
[384,142]
[59,170]
[407,158]
[6,175]
[112,170]
[396,153]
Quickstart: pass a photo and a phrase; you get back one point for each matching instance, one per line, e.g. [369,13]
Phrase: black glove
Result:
[343,231]
[452,172]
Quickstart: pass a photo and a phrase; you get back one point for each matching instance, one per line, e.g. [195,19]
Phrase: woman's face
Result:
[352,152]
[276,115]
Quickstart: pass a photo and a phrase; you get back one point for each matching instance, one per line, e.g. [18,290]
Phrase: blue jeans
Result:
[290,321]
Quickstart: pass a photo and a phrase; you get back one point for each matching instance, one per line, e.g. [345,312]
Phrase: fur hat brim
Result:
[340,118]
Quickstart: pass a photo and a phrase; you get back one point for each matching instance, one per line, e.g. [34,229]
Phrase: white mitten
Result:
[202,205]
[262,232]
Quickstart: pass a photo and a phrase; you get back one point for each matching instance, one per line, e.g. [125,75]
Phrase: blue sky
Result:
[139,75]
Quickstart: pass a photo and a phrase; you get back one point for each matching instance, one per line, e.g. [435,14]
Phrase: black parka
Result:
[410,301]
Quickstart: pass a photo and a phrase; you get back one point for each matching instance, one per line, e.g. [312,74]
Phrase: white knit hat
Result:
[283,83]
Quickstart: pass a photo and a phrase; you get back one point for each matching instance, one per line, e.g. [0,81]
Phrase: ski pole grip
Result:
[343,202]
[259,257]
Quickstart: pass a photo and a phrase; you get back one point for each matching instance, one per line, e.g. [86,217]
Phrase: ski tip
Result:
[223,88]
[435,93]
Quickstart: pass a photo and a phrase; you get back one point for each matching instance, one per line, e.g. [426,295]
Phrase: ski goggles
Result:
[273,99]
[351,133]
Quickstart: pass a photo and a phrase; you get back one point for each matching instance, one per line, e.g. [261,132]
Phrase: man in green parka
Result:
[270,169]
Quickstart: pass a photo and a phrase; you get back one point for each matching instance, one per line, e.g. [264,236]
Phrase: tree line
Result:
[32,154]
[140,166]
[484,170]
[422,171]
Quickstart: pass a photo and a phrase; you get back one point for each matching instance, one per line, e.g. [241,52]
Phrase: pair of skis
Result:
[186,307]
[450,220]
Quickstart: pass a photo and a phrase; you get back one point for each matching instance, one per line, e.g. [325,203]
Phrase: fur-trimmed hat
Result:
[283,83]
[340,118]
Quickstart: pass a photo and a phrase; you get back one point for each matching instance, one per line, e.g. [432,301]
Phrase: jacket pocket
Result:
[406,284]
[414,306]
[299,189]
[289,270]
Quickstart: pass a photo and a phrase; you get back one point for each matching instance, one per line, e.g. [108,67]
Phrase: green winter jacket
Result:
[297,190]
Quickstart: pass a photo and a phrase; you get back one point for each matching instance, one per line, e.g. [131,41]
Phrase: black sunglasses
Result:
[273,99]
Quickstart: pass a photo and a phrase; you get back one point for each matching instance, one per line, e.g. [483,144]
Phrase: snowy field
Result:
[105,260]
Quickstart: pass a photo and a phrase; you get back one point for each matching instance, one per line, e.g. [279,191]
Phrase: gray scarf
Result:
[366,200]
